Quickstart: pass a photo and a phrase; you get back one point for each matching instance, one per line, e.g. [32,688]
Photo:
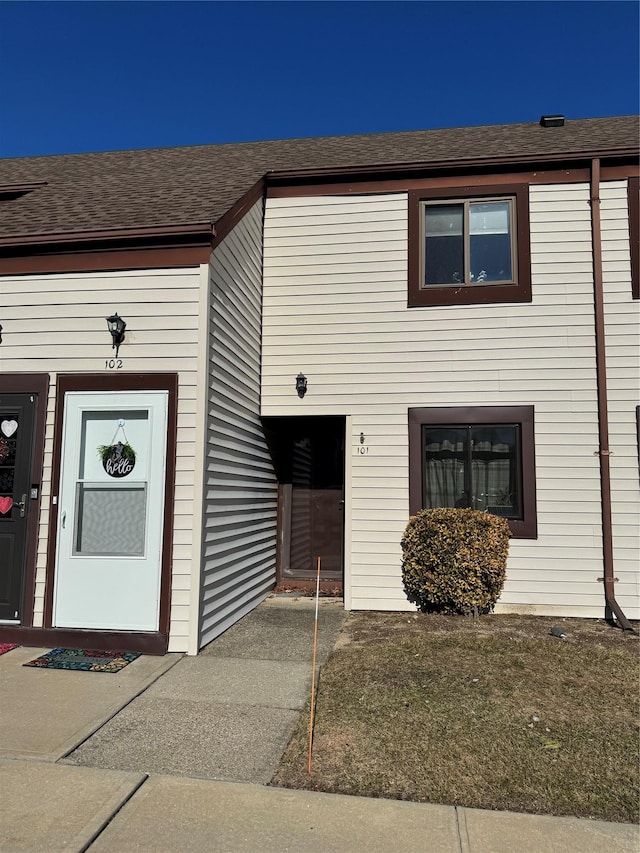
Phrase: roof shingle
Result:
[198,184]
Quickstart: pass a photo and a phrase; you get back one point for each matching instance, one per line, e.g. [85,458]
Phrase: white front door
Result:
[110,511]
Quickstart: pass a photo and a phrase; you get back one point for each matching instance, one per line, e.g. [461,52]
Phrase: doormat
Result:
[6,647]
[86,660]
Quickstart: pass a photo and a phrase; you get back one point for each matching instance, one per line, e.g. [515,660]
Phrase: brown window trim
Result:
[633,190]
[527,528]
[470,294]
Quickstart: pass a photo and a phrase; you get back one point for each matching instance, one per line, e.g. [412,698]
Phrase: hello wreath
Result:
[118,458]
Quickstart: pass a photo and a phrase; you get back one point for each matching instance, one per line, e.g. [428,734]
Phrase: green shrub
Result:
[454,560]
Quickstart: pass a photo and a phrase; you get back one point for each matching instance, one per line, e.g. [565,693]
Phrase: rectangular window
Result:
[473,466]
[482,458]
[110,520]
[469,245]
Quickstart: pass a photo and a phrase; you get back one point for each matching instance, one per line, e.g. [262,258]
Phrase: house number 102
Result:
[113,364]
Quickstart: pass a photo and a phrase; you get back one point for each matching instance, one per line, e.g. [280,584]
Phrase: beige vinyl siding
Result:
[622,324]
[335,307]
[56,324]
[240,501]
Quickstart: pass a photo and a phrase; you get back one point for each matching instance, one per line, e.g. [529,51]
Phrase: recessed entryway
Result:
[308,455]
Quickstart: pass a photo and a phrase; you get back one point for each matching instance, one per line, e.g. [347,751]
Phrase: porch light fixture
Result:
[116,326]
[0,333]
[301,385]
[552,121]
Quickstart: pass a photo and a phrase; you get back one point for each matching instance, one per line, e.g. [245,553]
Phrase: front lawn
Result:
[491,713]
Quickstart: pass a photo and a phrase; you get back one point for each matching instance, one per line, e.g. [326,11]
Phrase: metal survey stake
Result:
[313,670]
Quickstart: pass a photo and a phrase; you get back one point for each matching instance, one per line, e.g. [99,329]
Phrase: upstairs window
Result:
[470,245]
[468,242]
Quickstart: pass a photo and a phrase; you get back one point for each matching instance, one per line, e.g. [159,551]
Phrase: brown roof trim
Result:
[227,223]
[193,230]
[92,251]
[106,261]
[530,160]
[396,184]
[558,175]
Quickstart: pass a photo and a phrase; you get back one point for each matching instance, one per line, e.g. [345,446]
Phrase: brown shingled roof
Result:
[198,184]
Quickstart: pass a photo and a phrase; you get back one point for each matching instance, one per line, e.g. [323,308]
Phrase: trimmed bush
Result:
[454,560]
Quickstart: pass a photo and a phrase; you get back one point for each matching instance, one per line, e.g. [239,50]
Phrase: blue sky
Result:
[95,76]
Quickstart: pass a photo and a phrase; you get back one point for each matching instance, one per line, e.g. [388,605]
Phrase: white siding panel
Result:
[55,324]
[240,499]
[342,318]
[622,324]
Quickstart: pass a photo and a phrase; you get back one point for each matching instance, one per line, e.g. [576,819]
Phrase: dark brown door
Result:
[309,457]
[17,422]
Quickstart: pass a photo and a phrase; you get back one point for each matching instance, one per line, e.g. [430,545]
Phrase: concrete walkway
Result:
[230,712]
[45,713]
[175,754]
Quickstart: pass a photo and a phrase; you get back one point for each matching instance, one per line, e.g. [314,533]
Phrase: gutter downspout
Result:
[611,605]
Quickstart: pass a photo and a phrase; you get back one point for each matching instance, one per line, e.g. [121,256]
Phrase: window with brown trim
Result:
[469,245]
[477,457]
[634,234]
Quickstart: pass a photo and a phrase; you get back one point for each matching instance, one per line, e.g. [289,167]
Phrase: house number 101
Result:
[363,450]
[113,364]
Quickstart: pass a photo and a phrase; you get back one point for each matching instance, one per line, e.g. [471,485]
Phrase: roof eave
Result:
[197,231]
[527,160]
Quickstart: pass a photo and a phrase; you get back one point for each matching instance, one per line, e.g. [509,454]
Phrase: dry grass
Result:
[491,713]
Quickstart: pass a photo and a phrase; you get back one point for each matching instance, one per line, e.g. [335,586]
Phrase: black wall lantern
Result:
[116,326]
[301,385]
[0,333]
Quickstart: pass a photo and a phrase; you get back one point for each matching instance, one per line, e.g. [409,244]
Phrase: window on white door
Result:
[110,515]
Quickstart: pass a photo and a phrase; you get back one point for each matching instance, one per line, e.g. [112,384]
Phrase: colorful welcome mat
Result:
[86,660]
[6,647]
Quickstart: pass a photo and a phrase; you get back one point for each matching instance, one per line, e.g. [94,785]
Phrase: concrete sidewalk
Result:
[48,808]
[175,754]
